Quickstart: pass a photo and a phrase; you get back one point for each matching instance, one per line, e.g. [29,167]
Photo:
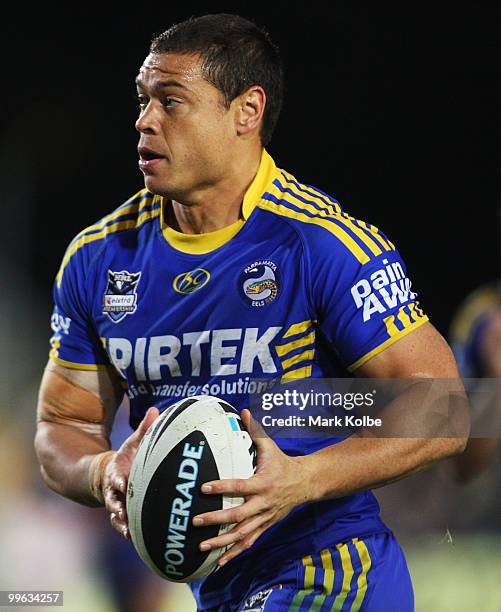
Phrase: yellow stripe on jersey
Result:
[283,349]
[304,356]
[418,310]
[308,193]
[328,583]
[415,310]
[387,343]
[374,236]
[334,209]
[366,234]
[298,328]
[309,572]
[414,315]
[365,560]
[391,328]
[79,366]
[347,576]
[125,209]
[334,229]
[326,557]
[111,229]
[341,218]
[385,243]
[55,343]
[309,584]
[403,317]
[296,374]
[373,230]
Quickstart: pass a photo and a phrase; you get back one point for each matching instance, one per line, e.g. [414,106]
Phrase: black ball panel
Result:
[163,424]
[171,501]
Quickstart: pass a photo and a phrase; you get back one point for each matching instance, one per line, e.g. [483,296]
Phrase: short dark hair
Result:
[236,54]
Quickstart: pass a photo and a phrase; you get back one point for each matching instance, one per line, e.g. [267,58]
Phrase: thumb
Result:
[260,438]
[134,440]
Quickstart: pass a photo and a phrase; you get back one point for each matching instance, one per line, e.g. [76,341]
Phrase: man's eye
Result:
[169,102]
[141,100]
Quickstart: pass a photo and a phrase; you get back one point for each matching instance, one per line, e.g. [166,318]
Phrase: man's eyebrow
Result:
[161,84]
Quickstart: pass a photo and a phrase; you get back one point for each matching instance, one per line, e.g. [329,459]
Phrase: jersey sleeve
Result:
[74,343]
[363,300]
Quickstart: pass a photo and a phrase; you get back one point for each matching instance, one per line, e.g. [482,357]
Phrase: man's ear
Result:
[249,108]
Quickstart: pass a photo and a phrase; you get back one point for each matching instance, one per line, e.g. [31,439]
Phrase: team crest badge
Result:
[120,297]
[259,283]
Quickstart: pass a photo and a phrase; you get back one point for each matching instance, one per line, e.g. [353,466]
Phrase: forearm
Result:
[358,464]
[74,416]
[422,427]
[69,462]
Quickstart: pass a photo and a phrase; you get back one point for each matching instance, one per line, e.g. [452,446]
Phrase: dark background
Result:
[394,111]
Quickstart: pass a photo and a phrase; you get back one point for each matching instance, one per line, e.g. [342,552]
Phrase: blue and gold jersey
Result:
[296,289]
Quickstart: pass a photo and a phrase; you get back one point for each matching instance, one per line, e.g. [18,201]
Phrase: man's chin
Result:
[156,186]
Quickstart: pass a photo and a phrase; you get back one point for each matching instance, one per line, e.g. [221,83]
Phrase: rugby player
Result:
[224,268]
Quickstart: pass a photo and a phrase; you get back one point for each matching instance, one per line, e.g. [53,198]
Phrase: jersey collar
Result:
[197,244]
[266,172]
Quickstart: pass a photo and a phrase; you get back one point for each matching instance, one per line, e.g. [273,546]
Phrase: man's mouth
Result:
[147,154]
[148,157]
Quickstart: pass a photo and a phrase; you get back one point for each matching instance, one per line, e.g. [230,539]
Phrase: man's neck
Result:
[217,206]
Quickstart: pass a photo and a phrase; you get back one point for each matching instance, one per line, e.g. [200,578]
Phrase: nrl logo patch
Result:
[120,297]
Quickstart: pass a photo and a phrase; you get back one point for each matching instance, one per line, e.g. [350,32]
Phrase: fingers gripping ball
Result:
[194,441]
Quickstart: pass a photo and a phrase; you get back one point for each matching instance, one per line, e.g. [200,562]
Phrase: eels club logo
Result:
[259,283]
[120,297]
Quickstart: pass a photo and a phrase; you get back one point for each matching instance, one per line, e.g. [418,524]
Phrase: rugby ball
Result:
[195,440]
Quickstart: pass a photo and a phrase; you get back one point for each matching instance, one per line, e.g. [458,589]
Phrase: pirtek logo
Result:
[222,351]
[188,282]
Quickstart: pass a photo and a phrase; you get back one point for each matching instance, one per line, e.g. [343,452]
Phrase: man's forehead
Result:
[186,67]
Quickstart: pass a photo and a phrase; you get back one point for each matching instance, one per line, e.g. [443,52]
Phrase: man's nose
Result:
[148,123]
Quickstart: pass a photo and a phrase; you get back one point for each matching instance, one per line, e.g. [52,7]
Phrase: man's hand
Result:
[116,474]
[279,485]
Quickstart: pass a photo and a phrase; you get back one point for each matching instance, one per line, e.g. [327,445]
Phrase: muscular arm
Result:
[362,461]
[74,417]
[365,461]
